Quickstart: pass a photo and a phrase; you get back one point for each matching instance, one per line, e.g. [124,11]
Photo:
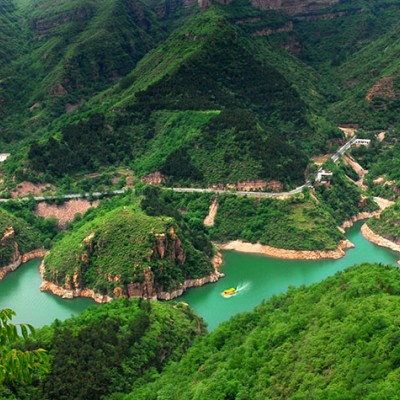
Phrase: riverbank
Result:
[258,248]
[19,260]
[374,238]
[68,293]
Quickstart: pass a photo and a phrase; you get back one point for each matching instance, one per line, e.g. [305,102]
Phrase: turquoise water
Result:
[19,291]
[256,277]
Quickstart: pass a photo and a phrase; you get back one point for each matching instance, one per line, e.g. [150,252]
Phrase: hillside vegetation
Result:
[232,93]
[19,236]
[119,250]
[335,339]
[388,223]
[110,349]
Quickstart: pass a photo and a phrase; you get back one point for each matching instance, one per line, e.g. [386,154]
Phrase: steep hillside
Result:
[17,237]
[332,340]
[210,104]
[110,348]
[387,225]
[124,252]
[67,51]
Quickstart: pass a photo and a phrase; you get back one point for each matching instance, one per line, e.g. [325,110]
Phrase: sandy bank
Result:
[270,251]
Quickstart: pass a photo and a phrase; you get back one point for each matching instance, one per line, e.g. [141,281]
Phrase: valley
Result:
[155,153]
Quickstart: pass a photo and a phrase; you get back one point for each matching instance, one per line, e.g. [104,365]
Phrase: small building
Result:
[323,176]
[4,156]
[362,142]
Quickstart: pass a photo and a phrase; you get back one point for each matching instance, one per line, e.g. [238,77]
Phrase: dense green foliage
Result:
[296,224]
[112,348]
[387,225]
[18,235]
[342,197]
[335,339]
[119,244]
[217,90]
[17,366]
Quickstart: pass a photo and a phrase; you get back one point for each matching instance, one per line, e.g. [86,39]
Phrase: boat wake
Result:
[240,288]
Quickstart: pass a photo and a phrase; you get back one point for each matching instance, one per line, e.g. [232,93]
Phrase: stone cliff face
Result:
[167,250]
[293,7]
[17,260]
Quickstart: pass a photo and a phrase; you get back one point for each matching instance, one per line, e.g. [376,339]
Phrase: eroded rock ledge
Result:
[99,298]
[18,260]
[373,237]
[348,223]
[270,251]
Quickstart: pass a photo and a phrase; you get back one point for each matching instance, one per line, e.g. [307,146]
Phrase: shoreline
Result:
[37,253]
[348,223]
[47,286]
[378,240]
[258,248]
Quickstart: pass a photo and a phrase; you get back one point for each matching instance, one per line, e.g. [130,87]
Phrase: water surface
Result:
[19,290]
[259,277]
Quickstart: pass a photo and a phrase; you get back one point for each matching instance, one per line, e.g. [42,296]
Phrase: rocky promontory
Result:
[126,253]
[373,237]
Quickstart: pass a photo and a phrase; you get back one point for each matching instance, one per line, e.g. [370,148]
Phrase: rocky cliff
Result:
[293,7]
[126,254]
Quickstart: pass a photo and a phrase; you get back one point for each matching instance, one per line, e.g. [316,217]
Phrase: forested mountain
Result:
[239,91]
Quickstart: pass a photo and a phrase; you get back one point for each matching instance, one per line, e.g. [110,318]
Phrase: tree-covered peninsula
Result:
[118,250]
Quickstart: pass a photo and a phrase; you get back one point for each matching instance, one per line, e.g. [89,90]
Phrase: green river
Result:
[256,277]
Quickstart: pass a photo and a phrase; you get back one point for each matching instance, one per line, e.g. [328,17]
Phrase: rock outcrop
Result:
[47,286]
[293,7]
[348,223]
[18,260]
[145,289]
[370,235]
[126,253]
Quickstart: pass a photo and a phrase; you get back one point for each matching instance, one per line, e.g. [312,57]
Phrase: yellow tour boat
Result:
[229,292]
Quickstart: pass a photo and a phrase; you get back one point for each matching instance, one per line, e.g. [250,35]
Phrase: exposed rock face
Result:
[293,7]
[359,217]
[370,235]
[18,260]
[384,88]
[65,293]
[259,184]
[238,245]
[145,289]
[44,25]
[155,178]
[212,212]
[213,277]
[140,277]
[64,212]
[288,27]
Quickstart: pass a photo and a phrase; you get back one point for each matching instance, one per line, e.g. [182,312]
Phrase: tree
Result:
[17,366]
